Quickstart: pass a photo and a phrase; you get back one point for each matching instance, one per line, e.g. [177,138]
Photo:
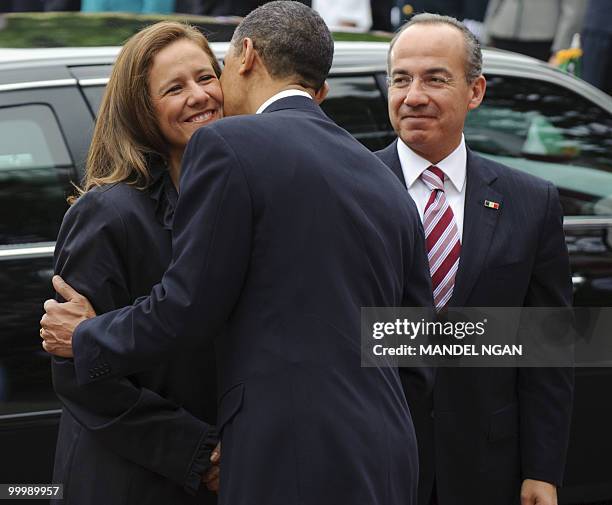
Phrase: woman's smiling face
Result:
[185,92]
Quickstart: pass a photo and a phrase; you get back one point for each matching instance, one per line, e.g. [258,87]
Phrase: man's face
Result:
[231,80]
[429,96]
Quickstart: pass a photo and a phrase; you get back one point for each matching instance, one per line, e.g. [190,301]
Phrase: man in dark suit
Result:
[597,45]
[285,227]
[494,238]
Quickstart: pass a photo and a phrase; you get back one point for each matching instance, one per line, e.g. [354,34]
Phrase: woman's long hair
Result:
[126,135]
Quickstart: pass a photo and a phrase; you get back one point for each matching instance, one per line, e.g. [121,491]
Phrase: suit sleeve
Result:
[211,246]
[134,422]
[546,394]
[418,382]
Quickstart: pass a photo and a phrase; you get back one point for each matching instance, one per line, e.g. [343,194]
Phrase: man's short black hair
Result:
[292,40]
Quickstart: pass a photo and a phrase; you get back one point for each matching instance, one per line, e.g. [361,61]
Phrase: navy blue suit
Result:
[494,427]
[284,229]
[140,439]
[597,45]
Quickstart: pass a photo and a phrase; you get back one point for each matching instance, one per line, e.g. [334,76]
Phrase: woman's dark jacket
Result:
[144,439]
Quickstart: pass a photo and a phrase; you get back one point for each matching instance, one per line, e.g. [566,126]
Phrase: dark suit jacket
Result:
[141,439]
[485,430]
[597,17]
[284,229]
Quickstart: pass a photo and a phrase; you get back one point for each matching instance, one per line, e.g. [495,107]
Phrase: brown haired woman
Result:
[143,439]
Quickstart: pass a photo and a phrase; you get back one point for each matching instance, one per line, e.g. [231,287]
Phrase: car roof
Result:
[17,65]
[370,54]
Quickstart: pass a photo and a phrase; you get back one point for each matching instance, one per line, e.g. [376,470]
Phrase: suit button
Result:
[432,414]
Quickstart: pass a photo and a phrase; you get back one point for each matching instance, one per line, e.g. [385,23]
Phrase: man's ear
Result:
[247,56]
[321,93]
[478,88]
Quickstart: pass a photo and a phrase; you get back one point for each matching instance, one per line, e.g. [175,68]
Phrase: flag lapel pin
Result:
[491,205]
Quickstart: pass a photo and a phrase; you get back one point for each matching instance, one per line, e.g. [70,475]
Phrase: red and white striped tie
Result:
[441,237]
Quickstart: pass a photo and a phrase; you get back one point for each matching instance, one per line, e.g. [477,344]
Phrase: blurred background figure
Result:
[217,7]
[220,7]
[362,15]
[381,15]
[341,14]
[62,5]
[145,6]
[22,5]
[597,45]
[39,5]
[471,12]
[535,28]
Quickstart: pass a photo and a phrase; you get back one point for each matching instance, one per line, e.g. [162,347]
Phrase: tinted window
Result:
[551,132]
[94,96]
[34,171]
[358,106]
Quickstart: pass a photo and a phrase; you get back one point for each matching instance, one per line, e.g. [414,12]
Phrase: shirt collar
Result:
[283,94]
[453,166]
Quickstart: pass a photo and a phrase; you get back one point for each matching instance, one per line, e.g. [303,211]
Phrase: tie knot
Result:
[433,178]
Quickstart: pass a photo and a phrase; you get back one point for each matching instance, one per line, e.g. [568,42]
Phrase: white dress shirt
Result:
[454,168]
[283,94]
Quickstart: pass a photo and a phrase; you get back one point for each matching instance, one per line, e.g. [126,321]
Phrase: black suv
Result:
[533,118]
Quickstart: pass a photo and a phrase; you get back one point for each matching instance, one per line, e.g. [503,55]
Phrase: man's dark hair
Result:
[473,53]
[292,40]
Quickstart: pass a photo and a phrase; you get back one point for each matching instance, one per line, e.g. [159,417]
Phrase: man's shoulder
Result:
[510,178]
[244,130]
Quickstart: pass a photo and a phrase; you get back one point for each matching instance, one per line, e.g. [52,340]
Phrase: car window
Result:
[357,105]
[34,169]
[551,132]
[94,96]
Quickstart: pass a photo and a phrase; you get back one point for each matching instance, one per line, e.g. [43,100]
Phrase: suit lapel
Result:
[478,228]
[389,157]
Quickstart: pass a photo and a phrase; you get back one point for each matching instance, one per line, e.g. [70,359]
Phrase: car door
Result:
[551,131]
[45,128]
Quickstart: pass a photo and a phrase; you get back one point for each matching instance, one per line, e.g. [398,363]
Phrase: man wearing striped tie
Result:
[494,237]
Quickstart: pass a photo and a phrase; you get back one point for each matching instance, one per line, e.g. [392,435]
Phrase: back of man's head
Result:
[291,39]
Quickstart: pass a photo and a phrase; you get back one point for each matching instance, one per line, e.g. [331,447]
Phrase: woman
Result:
[142,439]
